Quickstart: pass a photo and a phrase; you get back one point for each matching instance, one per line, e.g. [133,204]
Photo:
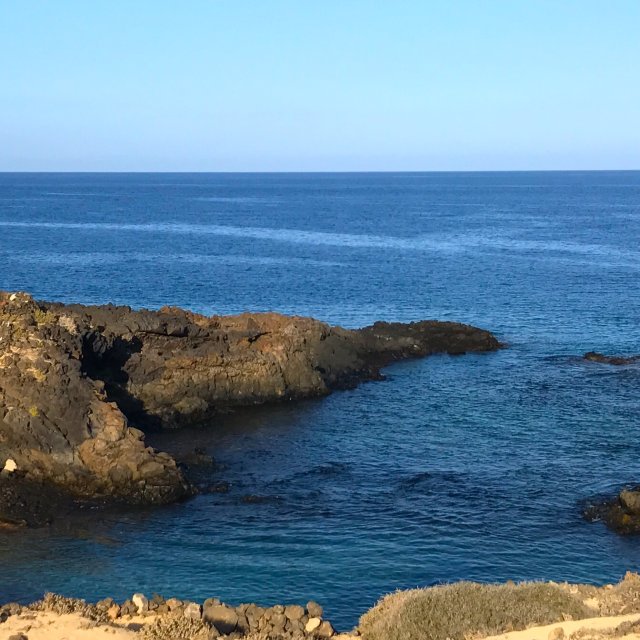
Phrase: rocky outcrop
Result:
[158,618]
[79,384]
[621,514]
[594,356]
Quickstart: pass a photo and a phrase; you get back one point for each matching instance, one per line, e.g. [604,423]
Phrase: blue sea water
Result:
[471,467]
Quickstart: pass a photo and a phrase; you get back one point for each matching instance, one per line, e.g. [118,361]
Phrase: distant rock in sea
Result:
[621,513]
[594,356]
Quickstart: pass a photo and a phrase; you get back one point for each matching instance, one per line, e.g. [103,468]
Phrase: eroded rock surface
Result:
[76,381]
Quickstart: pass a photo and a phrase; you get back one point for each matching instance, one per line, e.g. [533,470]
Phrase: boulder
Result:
[294,612]
[630,501]
[325,630]
[314,609]
[141,602]
[621,514]
[312,625]
[192,611]
[220,616]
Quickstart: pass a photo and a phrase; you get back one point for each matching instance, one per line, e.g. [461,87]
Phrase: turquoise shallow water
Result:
[472,467]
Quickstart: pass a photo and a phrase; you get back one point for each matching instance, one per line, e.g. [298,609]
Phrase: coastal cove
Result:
[451,468]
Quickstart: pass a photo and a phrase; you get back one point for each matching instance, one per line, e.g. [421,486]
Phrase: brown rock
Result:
[222,617]
[192,610]
[630,501]
[294,612]
[73,377]
[113,611]
[594,356]
[312,625]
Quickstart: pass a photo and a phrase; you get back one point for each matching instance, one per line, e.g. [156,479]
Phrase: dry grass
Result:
[465,609]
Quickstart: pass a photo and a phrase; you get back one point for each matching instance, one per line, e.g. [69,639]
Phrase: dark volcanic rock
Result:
[30,503]
[74,379]
[594,356]
[621,514]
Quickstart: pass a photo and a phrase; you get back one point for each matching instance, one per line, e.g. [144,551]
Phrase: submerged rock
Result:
[621,514]
[75,379]
[594,356]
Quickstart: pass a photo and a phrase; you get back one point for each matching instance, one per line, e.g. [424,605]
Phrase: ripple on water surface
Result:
[471,467]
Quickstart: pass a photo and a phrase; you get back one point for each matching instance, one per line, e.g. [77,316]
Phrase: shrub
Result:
[459,610]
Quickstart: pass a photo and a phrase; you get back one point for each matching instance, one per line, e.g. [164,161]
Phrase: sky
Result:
[335,85]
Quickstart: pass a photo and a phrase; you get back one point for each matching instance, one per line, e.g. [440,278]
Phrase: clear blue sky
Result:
[244,85]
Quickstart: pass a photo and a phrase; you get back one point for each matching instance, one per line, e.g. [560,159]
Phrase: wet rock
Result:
[630,501]
[218,487]
[197,458]
[621,514]
[26,502]
[594,356]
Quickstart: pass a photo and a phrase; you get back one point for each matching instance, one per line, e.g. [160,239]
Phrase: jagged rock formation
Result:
[74,380]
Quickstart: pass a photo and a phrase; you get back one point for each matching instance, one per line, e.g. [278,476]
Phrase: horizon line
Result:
[311,172]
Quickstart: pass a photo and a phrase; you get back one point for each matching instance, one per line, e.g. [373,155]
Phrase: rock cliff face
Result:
[75,379]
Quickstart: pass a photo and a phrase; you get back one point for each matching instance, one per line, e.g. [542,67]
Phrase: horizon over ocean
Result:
[472,467]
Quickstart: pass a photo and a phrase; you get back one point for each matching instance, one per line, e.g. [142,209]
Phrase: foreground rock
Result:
[74,380]
[523,611]
[594,356]
[621,514]
[157,618]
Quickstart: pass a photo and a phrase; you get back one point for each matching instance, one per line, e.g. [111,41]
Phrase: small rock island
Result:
[80,385]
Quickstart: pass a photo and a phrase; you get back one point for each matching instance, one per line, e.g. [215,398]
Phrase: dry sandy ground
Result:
[52,626]
[46,625]
[589,628]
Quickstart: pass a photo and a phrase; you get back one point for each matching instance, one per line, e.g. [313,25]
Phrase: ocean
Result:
[474,467]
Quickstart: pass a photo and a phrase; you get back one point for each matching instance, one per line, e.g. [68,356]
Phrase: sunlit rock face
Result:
[79,384]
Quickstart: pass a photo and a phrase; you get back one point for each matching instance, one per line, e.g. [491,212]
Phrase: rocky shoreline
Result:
[171,618]
[533,610]
[80,386]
